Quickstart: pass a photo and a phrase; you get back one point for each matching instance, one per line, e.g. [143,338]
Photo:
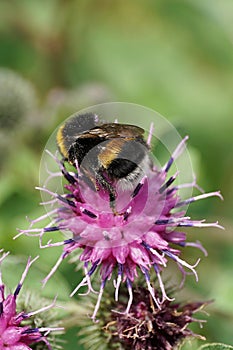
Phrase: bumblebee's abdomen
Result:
[129,157]
[120,168]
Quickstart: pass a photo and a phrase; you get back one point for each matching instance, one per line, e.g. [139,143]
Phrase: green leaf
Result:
[215,346]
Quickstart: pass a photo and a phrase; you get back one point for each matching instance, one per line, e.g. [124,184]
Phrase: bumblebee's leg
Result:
[101,179]
[112,201]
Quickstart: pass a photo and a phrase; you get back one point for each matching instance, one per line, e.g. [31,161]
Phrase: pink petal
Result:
[139,255]
[121,253]
[12,335]
[154,240]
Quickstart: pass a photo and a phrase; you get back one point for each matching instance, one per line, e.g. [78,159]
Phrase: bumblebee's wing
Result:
[115,130]
[71,130]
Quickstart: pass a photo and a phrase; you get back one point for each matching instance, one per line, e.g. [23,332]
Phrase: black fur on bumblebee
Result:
[106,154]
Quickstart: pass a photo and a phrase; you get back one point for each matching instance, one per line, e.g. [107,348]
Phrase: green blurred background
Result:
[57,57]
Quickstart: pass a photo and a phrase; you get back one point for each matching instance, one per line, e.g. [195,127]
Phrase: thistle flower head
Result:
[15,330]
[144,327]
[17,99]
[147,327]
[140,236]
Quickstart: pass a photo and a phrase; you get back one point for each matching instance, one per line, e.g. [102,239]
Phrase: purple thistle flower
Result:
[14,335]
[142,235]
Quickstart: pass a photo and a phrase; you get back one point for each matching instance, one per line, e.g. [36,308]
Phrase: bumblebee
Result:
[106,154]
